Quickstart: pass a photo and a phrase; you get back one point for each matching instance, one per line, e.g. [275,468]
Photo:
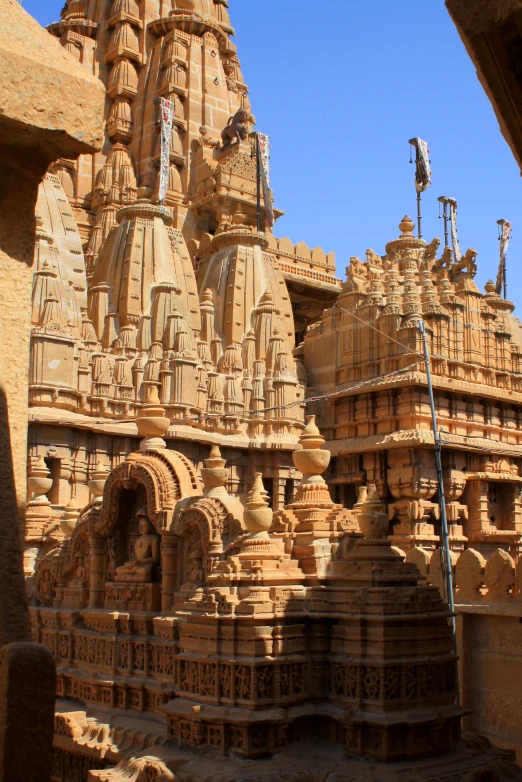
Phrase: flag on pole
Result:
[264,151]
[505,237]
[263,147]
[454,233]
[167,117]
[422,164]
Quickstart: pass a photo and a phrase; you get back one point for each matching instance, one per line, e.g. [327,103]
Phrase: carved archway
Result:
[204,524]
[167,477]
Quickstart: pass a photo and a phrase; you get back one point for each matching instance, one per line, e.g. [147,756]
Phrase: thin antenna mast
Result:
[445,201]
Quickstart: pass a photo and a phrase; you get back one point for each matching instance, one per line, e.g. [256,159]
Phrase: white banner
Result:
[167,116]
[422,165]
[263,147]
[505,238]
[454,233]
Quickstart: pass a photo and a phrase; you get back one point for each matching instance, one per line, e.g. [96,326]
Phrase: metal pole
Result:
[445,549]
[419,198]
[446,234]
[258,177]
[444,200]
[505,279]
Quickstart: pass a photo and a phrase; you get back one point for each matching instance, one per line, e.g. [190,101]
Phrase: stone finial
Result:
[406,226]
[70,517]
[39,483]
[214,474]
[258,514]
[97,482]
[311,460]
[373,522]
[152,423]
[490,287]
[311,437]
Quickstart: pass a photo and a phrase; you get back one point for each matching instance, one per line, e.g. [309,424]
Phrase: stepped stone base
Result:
[133,752]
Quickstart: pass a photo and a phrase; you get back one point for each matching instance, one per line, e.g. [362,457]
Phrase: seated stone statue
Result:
[147,551]
[80,575]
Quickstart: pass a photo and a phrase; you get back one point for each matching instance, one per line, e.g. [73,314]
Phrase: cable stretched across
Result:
[381,333]
[298,402]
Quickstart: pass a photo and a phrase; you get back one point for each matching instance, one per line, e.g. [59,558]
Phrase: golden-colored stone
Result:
[231,605]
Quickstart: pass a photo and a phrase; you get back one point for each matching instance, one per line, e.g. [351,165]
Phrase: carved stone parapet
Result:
[132,597]
[75,597]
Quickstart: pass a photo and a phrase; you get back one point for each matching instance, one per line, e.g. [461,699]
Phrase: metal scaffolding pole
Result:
[445,548]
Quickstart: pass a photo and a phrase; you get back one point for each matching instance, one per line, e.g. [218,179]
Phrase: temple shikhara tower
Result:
[232,541]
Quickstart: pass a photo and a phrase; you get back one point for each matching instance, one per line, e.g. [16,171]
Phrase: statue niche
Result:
[76,591]
[133,557]
[147,554]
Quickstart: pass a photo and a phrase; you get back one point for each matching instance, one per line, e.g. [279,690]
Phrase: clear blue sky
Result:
[341,86]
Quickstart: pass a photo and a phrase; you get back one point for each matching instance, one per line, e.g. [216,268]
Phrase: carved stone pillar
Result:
[278,500]
[98,556]
[477,508]
[457,514]
[376,473]
[412,479]
[169,570]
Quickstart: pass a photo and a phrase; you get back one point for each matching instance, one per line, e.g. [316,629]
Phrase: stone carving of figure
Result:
[236,129]
[195,570]
[445,261]
[357,267]
[46,592]
[430,253]
[147,550]
[373,259]
[80,575]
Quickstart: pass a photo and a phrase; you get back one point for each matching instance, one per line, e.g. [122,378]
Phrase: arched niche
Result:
[205,527]
[62,577]
[166,477]
[134,557]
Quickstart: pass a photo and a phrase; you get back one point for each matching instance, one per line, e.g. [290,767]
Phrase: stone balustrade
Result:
[476,580]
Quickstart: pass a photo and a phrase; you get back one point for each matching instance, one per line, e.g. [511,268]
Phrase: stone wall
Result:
[489,641]
[488,602]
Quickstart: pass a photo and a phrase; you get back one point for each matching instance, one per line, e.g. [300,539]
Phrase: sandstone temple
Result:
[233,526]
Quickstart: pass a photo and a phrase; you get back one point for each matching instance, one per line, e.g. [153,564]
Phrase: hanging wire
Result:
[407,348]
[256,413]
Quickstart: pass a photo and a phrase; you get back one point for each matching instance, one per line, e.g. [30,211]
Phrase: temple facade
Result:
[366,352]
[210,582]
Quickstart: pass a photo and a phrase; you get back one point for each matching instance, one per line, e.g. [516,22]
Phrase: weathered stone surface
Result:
[47,99]
[480,16]
[489,30]
[27,694]
[42,116]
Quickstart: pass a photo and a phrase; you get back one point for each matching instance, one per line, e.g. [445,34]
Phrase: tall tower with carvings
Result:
[136,294]
[181,50]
